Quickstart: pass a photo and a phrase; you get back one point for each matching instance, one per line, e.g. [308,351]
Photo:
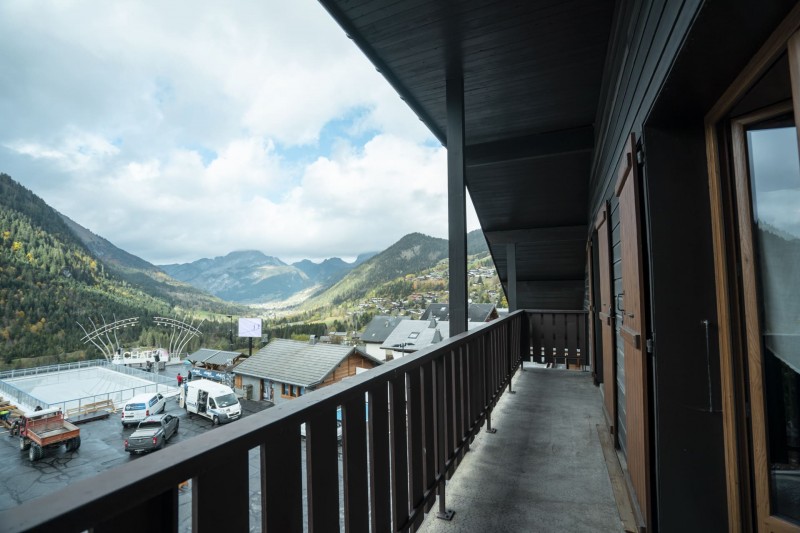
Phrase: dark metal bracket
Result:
[446,515]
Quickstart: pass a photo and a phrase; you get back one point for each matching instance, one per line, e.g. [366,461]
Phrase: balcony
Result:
[407,428]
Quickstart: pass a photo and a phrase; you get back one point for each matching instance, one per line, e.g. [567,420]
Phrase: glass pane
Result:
[775,185]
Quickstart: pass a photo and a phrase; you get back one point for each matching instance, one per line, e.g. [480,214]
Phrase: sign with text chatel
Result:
[250,327]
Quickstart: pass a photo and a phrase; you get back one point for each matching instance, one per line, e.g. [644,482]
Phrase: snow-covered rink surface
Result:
[76,387]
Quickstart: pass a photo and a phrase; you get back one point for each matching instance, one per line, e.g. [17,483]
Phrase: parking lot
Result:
[102,447]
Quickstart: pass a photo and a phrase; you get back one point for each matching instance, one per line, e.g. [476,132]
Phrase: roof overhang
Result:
[532,74]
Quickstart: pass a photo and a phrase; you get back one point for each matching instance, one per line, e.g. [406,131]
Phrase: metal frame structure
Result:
[108,347]
[181,334]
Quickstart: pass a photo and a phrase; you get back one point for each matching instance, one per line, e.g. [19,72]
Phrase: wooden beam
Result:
[511,269]
[531,146]
[534,235]
[456,206]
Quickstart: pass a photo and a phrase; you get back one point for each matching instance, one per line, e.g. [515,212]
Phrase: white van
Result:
[212,400]
[141,406]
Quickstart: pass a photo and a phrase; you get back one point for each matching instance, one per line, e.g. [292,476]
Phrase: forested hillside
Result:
[412,253]
[50,281]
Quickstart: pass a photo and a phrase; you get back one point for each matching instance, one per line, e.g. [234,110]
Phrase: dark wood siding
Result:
[654,33]
[347,368]
[669,62]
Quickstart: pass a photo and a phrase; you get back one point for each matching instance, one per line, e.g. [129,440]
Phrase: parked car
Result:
[212,400]
[141,406]
[152,433]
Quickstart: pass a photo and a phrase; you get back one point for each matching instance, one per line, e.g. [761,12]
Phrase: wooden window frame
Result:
[737,455]
[290,391]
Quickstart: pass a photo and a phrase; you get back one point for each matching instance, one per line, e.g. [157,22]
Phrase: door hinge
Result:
[649,345]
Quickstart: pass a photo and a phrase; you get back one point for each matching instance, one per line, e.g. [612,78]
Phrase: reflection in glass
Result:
[775,186]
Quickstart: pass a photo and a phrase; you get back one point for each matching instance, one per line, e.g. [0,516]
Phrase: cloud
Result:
[191,129]
[74,151]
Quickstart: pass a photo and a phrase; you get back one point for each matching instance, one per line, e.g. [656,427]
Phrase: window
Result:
[755,184]
[291,391]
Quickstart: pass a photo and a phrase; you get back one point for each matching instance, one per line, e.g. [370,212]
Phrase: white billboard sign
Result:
[250,327]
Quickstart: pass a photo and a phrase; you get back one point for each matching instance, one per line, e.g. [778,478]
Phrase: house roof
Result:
[413,335]
[380,327]
[296,362]
[438,311]
[475,313]
[481,312]
[213,357]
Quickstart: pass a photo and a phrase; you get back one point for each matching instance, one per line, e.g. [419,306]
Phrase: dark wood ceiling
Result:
[532,78]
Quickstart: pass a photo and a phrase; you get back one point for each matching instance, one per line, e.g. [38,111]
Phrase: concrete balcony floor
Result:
[544,470]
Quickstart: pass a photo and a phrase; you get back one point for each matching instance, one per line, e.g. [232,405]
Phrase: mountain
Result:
[253,277]
[244,276]
[138,272]
[54,273]
[330,270]
[476,243]
[413,253]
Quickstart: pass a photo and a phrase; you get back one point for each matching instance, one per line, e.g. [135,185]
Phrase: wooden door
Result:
[606,315]
[632,329]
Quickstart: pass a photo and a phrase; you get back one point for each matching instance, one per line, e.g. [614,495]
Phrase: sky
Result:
[190,129]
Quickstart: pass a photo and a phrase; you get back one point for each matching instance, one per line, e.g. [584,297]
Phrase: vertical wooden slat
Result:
[481,377]
[440,424]
[281,482]
[469,379]
[458,403]
[354,452]
[572,336]
[231,472]
[493,381]
[548,333]
[379,459]
[450,435]
[322,470]
[537,336]
[584,336]
[428,434]
[399,448]
[504,354]
[159,513]
[416,467]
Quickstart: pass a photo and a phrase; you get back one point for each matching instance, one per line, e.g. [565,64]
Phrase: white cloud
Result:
[75,151]
[173,129]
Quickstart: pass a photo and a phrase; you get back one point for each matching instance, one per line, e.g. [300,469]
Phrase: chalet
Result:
[376,333]
[410,336]
[286,369]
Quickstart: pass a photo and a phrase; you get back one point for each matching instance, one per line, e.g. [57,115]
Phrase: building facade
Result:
[285,369]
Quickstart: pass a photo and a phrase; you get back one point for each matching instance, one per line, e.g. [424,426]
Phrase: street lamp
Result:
[230,331]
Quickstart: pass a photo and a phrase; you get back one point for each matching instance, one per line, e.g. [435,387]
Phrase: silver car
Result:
[152,433]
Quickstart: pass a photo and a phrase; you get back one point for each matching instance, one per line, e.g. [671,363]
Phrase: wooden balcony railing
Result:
[559,337]
[406,426]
